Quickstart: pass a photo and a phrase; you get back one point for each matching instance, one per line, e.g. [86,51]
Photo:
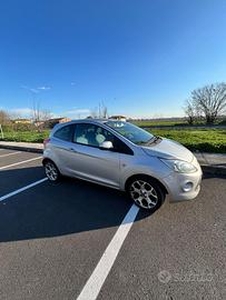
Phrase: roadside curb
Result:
[28,149]
[212,170]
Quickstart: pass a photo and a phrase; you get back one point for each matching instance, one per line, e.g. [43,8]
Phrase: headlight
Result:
[180,166]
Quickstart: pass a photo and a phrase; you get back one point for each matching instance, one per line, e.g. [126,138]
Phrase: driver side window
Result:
[91,135]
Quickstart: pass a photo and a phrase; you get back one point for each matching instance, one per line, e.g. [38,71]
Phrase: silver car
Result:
[123,156]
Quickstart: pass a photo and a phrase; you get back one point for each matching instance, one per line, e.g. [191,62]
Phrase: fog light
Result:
[187,186]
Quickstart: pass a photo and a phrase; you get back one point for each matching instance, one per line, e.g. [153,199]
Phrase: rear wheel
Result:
[51,171]
[146,192]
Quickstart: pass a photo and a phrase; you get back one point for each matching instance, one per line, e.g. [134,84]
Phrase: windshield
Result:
[131,132]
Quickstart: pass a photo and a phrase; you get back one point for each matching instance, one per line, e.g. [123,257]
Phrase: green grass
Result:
[173,122]
[206,140]
[152,123]
[26,136]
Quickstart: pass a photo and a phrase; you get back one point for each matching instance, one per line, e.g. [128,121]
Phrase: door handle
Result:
[72,150]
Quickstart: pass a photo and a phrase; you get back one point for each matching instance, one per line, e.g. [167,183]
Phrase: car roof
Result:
[94,120]
[89,121]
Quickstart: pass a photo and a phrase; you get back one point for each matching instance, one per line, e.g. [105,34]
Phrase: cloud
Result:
[73,83]
[44,88]
[36,90]
[75,113]
[32,90]
[78,111]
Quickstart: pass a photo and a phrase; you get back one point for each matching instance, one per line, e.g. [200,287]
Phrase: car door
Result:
[88,161]
[60,146]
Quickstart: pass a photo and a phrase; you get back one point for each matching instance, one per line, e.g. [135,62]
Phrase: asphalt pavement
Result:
[53,237]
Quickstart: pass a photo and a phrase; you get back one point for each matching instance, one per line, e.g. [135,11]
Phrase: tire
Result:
[51,171]
[146,192]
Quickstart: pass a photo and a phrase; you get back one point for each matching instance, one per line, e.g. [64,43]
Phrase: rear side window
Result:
[65,133]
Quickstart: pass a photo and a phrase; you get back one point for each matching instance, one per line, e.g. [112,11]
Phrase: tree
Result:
[210,101]
[190,112]
[104,112]
[101,112]
[36,111]
[39,116]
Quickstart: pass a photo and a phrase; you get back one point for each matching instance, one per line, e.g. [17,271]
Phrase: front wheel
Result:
[146,193]
[51,171]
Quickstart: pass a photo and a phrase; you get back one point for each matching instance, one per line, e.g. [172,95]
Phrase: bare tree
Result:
[190,112]
[104,111]
[36,111]
[45,115]
[210,100]
[101,112]
[39,116]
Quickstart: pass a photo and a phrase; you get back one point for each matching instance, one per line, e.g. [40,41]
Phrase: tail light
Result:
[45,142]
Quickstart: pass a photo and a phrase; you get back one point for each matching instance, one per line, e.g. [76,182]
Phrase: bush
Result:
[26,136]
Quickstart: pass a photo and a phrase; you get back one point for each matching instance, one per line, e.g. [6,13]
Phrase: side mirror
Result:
[106,145]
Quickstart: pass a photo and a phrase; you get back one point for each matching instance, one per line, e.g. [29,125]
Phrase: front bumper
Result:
[182,186]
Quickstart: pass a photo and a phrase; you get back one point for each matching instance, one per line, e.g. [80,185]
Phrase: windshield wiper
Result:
[154,139]
[145,142]
[141,143]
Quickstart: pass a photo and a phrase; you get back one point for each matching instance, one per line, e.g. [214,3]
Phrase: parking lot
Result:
[56,240]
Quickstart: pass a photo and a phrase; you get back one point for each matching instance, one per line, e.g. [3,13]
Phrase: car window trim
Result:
[72,133]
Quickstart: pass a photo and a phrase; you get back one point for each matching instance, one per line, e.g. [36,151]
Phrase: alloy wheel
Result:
[51,171]
[144,194]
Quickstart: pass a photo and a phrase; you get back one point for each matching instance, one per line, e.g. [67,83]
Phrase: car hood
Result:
[168,149]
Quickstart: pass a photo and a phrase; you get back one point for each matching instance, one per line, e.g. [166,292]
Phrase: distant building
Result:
[118,117]
[39,123]
[52,122]
[22,121]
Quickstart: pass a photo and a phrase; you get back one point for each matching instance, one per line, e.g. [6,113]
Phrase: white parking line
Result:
[22,189]
[9,154]
[100,273]
[20,163]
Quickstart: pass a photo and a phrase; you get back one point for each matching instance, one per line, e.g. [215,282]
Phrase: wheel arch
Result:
[46,159]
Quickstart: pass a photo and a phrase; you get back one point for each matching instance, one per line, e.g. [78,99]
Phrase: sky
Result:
[141,58]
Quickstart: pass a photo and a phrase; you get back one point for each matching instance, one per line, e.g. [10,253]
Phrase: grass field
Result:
[173,123]
[154,122]
[206,140]
[26,136]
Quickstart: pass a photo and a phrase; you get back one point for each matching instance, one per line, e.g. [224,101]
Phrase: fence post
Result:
[1,131]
